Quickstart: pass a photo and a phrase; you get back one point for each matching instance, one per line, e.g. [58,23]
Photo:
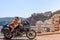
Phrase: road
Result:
[44,37]
[49,37]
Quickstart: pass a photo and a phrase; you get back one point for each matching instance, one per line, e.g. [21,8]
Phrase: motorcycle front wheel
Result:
[31,34]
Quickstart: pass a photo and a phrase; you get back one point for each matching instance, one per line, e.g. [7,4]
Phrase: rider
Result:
[15,23]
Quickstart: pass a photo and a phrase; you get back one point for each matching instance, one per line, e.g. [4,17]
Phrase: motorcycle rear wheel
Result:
[8,35]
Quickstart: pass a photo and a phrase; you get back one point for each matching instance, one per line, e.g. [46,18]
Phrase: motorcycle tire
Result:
[8,36]
[29,34]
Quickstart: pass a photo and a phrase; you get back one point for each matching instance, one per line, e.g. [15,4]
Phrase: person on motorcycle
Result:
[14,23]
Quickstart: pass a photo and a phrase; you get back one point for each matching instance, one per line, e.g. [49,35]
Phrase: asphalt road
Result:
[49,37]
[44,37]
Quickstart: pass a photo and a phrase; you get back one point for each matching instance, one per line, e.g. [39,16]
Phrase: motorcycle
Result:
[20,30]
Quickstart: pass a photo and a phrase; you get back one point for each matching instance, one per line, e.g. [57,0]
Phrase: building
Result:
[48,25]
[43,26]
[56,22]
[38,25]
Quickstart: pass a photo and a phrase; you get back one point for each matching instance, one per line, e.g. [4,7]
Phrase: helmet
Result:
[16,17]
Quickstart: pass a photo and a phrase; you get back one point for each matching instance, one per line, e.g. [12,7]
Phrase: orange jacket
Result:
[13,23]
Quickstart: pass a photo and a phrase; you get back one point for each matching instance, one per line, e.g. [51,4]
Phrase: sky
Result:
[24,8]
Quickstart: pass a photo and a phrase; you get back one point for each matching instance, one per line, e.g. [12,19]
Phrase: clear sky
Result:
[24,8]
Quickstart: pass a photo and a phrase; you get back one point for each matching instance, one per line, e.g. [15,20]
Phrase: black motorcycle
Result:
[20,30]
